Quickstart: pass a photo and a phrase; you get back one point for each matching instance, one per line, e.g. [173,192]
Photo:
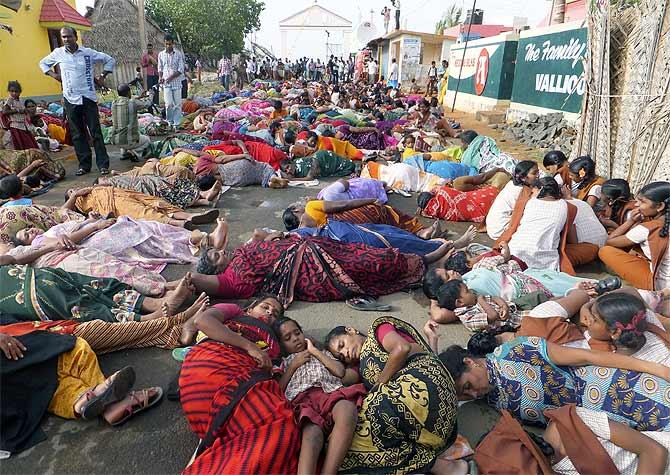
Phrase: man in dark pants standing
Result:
[76,65]
[150,65]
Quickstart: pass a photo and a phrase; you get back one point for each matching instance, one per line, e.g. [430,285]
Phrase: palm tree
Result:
[451,17]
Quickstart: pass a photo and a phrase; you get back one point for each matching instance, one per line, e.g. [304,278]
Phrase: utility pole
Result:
[465,47]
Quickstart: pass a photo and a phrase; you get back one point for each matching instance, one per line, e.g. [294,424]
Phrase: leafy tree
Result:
[451,17]
[208,28]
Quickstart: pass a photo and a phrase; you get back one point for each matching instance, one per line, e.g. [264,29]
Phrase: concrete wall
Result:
[21,52]
[549,74]
[487,75]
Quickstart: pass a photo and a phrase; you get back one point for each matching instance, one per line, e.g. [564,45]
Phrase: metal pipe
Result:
[465,47]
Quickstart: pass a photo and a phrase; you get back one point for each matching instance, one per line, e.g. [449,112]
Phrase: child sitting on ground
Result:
[312,381]
[477,312]
[279,112]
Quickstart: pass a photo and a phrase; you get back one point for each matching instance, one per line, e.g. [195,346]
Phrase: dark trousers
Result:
[397,19]
[184,89]
[152,81]
[79,119]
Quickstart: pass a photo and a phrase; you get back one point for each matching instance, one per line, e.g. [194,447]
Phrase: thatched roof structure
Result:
[116,32]
[626,114]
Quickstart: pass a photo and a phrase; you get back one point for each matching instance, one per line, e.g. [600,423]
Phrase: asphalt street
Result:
[159,441]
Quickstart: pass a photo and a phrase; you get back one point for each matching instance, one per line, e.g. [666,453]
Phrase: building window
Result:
[55,41]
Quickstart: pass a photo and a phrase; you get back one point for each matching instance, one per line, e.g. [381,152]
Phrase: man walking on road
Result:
[171,74]
[76,65]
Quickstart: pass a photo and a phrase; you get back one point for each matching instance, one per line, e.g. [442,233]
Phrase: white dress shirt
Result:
[169,63]
[77,71]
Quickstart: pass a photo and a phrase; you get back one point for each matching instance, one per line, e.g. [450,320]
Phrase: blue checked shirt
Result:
[77,71]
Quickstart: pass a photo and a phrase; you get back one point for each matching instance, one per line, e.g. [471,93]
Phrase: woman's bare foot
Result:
[170,303]
[219,237]
[277,183]
[466,239]
[214,191]
[188,329]
[431,232]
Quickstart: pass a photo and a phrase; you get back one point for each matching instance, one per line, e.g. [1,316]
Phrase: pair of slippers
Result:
[367,304]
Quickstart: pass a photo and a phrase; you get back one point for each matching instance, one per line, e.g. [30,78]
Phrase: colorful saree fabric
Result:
[330,164]
[14,219]
[322,270]
[14,161]
[339,147]
[441,168]
[405,424]
[484,155]
[379,215]
[375,235]
[240,413]
[401,176]
[453,205]
[53,294]
[180,192]
[110,201]
[526,382]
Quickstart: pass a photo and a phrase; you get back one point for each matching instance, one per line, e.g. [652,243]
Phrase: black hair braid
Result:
[666,223]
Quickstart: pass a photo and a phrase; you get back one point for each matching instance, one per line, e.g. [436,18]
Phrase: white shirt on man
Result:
[169,63]
[372,68]
[393,72]
[77,71]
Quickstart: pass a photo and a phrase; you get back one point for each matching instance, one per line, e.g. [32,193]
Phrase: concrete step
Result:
[491,117]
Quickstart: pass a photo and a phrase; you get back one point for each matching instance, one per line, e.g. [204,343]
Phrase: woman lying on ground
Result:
[449,204]
[230,372]
[53,294]
[153,167]
[411,395]
[646,227]
[576,440]
[316,213]
[529,374]
[321,164]
[236,169]
[308,269]
[401,176]
[167,332]
[441,168]
[15,161]
[133,252]
[60,374]
[349,189]
[483,154]
[111,202]
[180,192]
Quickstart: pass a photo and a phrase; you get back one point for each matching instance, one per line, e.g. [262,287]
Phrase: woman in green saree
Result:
[323,163]
[30,294]
[482,153]
[408,417]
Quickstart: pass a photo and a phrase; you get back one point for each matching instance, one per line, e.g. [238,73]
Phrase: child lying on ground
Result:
[312,381]
[477,312]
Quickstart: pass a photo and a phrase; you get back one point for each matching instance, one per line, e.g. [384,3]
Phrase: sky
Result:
[420,15]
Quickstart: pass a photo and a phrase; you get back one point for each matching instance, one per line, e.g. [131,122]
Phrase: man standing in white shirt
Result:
[76,65]
[372,71]
[393,74]
[170,75]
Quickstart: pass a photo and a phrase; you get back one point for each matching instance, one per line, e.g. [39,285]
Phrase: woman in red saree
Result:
[260,151]
[450,204]
[230,399]
[311,269]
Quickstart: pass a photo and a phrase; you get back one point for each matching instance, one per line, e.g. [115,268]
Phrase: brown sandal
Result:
[134,402]
[118,387]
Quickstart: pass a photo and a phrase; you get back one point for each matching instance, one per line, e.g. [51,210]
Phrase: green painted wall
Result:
[500,78]
[549,70]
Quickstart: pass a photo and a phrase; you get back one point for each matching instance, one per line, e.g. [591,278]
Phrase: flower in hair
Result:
[634,323]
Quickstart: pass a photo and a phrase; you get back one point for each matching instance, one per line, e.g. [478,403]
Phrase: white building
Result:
[315,32]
